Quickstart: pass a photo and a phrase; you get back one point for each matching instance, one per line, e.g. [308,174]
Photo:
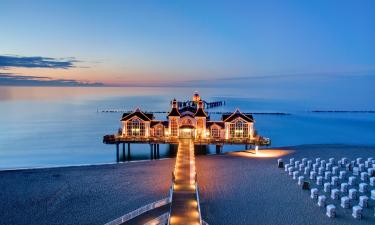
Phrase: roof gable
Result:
[237,114]
[139,114]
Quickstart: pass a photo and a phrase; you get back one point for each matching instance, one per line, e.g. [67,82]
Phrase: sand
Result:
[253,191]
[81,195]
[234,189]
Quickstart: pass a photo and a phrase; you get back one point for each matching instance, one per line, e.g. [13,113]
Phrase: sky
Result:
[159,42]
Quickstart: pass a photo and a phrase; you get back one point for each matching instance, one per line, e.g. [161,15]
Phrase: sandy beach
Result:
[234,189]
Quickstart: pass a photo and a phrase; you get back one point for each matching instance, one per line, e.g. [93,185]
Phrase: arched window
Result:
[238,129]
[135,127]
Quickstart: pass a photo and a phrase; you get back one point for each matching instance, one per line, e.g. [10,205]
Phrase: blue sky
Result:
[169,42]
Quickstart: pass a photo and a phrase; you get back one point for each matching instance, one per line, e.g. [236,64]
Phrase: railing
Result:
[163,219]
[198,204]
[139,211]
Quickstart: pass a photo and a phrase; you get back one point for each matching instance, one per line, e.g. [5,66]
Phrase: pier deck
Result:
[185,205]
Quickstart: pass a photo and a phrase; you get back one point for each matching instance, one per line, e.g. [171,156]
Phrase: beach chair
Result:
[307,171]
[329,166]
[312,175]
[335,181]
[331,211]
[314,193]
[359,161]
[345,202]
[355,171]
[357,212]
[319,180]
[295,175]
[327,175]
[335,170]
[321,170]
[344,188]
[342,175]
[335,194]
[363,187]
[353,193]
[372,181]
[361,167]
[327,187]
[322,200]
[280,163]
[363,201]
[352,180]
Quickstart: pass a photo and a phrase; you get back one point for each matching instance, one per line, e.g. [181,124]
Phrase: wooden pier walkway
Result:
[185,200]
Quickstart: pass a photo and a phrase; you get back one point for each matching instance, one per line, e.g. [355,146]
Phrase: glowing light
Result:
[269,153]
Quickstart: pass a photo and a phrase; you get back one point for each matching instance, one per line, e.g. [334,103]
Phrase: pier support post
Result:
[151,151]
[117,152]
[129,156]
[158,151]
[123,152]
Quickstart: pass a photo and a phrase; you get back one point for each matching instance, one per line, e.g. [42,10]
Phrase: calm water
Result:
[49,126]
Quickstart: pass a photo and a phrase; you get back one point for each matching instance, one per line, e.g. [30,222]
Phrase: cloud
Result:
[7,61]
[10,79]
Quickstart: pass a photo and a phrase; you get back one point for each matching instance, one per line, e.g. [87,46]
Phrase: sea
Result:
[63,126]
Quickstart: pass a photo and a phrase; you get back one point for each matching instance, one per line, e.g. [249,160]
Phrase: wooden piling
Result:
[117,152]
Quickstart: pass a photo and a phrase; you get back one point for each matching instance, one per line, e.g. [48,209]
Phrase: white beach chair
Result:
[319,180]
[335,194]
[357,212]
[329,166]
[323,163]
[307,171]
[364,176]
[371,172]
[296,164]
[352,180]
[353,194]
[355,171]
[361,167]
[344,188]
[372,181]
[373,194]
[331,160]
[291,161]
[342,175]
[304,161]
[322,200]
[345,202]
[327,187]
[290,170]
[312,175]
[295,175]
[363,201]
[317,160]
[301,167]
[331,211]
[335,181]
[327,175]
[280,163]
[309,163]
[363,187]
[314,193]
[321,170]
[286,167]
[335,170]
[359,161]
[315,167]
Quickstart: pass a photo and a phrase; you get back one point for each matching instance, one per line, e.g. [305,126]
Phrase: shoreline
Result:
[289,147]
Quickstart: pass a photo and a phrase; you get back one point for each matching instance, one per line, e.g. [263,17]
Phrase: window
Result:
[215,132]
[238,129]
[174,128]
[158,131]
[135,127]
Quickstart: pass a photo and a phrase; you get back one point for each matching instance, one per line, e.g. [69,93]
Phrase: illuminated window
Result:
[135,127]
[174,127]
[238,129]
[159,131]
[200,123]
[215,132]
